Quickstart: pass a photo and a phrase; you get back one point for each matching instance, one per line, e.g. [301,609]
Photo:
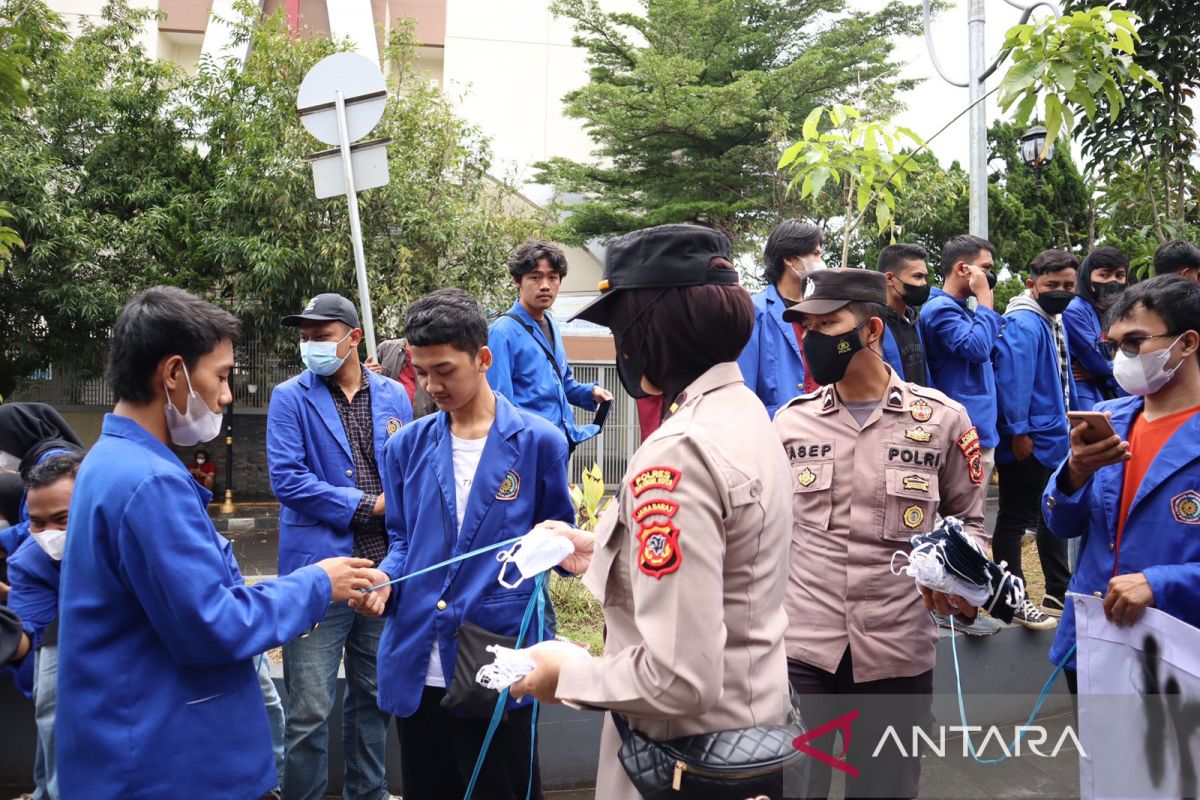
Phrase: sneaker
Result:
[1052,606]
[980,626]
[1029,616]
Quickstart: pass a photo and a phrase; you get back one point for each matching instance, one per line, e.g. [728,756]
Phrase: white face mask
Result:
[9,462]
[538,551]
[52,541]
[811,264]
[1144,373]
[198,425]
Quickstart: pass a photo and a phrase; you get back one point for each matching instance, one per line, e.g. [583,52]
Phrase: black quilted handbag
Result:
[725,765]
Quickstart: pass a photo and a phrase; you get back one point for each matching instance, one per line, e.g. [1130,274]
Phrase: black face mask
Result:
[991,276]
[1054,303]
[828,357]
[915,295]
[1106,293]
[630,370]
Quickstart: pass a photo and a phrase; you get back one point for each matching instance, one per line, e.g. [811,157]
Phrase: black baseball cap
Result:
[827,290]
[328,307]
[662,257]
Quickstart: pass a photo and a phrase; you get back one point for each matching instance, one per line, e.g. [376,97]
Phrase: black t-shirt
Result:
[912,354]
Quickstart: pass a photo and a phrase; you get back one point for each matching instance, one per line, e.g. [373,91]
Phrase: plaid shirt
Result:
[370,536]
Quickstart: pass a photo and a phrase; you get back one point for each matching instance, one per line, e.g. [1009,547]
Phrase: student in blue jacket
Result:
[157,690]
[959,330]
[529,364]
[326,428]
[1034,389]
[907,272]
[1134,498]
[35,571]
[479,472]
[1101,280]
[772,363]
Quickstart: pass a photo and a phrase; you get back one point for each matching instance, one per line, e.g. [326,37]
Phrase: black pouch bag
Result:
[464,696]
[724,765]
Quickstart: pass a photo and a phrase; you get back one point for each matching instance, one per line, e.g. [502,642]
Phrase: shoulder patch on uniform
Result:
[393,425]
[969,444]
[510,487]
[895,398]
[666,478]
[1185,507]
[828,404]
[659,553]
[918,434]
[921,411]
[655,508]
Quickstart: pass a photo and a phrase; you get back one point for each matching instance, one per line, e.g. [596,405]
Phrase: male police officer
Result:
[874,461]
[325,430]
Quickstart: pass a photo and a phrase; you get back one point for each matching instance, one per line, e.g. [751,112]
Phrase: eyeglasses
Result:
[1130,345]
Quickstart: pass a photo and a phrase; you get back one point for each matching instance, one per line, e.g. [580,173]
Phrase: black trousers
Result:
[1021,487]
[898,702]
[438,752]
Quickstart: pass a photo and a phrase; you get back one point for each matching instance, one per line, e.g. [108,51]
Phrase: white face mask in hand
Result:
[52,541]
[536,552]
[1144,373]
[198,425]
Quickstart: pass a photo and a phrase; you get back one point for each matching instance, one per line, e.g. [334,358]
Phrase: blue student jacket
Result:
[1083,340]
[522,372]
[771,363]
[157,691]
[891,354]
[1161,539]
[521,481]
[12,540]
[312,470]
[958,352]
[1029,396]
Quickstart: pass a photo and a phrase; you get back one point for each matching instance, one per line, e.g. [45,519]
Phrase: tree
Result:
[125,173]
[97,172]
[1144,154]
[690,104]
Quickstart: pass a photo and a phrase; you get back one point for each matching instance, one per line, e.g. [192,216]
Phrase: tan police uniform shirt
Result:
[858,495]
[691,569]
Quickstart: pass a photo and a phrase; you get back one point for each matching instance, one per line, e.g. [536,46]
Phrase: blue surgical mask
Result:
[322,357]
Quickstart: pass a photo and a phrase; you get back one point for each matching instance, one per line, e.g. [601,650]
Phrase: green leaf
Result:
[811,121]
[1064,76]
[1054,118]
[1123,41]
[1025,109]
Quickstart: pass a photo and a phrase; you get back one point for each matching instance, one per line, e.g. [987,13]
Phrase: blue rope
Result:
[445,563]
[962,712]
[537,600]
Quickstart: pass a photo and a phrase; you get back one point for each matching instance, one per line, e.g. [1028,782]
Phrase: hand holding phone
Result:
[1098,426]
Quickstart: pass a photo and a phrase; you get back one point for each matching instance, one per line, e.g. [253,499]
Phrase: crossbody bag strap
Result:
[538,342]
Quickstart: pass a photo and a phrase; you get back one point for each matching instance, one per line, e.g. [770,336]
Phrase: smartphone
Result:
[1098,427]
[602,413]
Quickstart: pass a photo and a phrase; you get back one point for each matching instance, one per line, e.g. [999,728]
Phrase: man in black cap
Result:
[325,431]
[874,461]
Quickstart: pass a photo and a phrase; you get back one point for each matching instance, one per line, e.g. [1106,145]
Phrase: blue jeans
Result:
[274,712]
[310,672]
[45,700]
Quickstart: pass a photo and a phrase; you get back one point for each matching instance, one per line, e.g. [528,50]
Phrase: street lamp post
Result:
[977,75]
[1032,144]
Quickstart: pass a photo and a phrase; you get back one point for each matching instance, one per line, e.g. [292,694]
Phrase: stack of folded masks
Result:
[947,560]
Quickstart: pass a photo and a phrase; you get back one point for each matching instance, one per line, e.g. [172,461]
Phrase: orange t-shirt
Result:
[1145,440]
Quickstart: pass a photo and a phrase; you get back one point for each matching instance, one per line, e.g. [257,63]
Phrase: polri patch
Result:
[1185,507]
[655,508]
[971,449]
[659,553]
[510,487]
[393,425]
[921,411]
[665,478]
[918,434]
[913,517]
[806,477]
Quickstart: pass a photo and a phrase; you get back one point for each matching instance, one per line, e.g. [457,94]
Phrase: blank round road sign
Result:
[356,76]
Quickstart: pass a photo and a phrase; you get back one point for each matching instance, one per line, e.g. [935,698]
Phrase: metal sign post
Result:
[340,100]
